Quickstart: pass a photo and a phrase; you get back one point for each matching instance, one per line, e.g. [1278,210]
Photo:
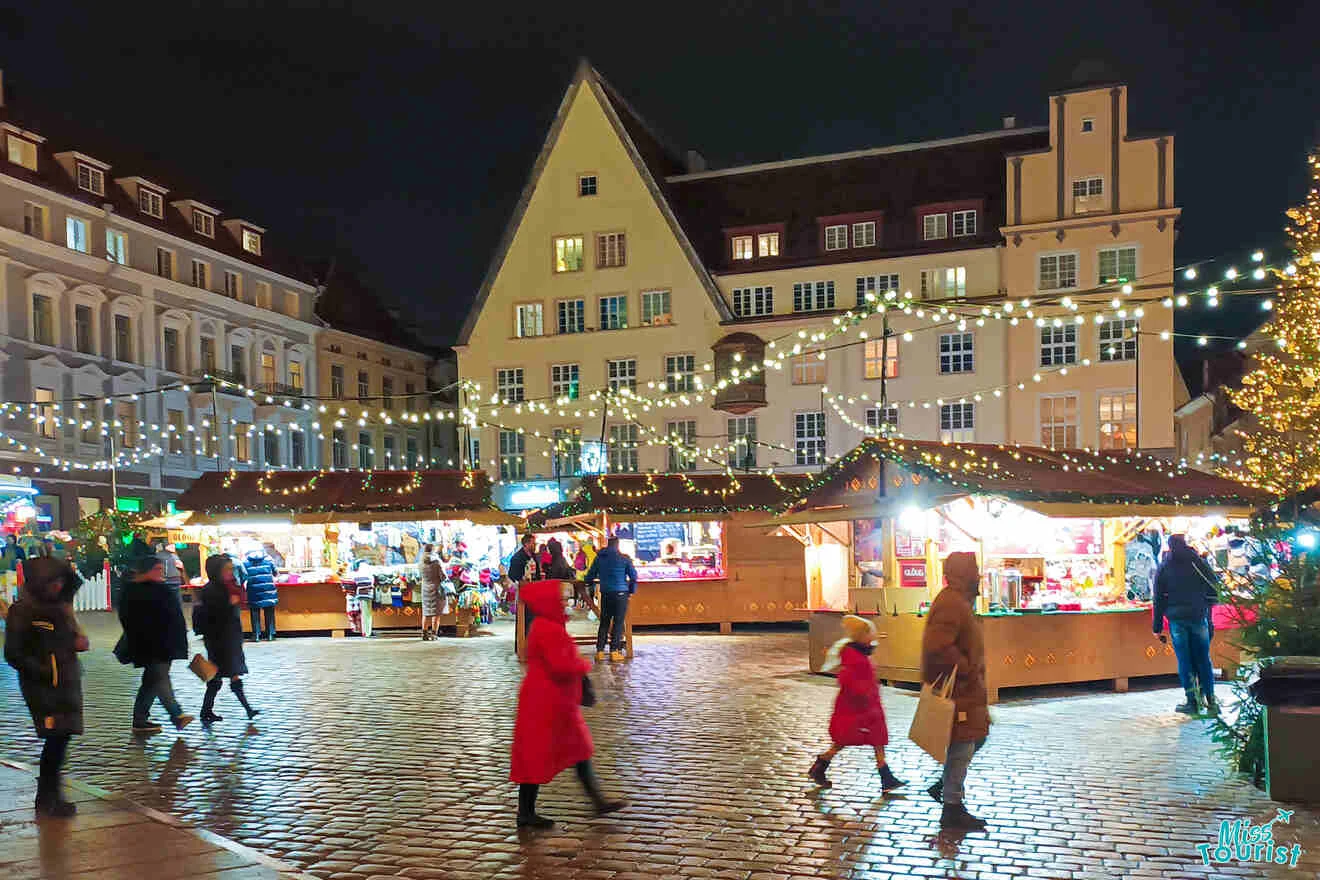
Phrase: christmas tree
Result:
[1279,451]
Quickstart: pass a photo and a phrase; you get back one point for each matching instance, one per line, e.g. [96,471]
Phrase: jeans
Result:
[613,613]
[269,615]
[365,605]
[52,759]
[956,763]
[1191,645]
[155,684]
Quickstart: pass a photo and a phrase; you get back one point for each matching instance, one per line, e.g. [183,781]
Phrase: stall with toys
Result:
[1068,543]
[695,561]
[323,529]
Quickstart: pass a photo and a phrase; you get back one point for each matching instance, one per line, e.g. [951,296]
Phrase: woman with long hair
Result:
[216,620]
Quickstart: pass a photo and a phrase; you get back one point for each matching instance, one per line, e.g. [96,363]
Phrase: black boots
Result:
[50,804]
[208,715]
[888,781]
[817,772]
[1190,706]
[236,685]
[956,817]
[937,790]
[587,776]
[527,817]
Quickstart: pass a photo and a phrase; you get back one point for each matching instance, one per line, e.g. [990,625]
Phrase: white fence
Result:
[95,593]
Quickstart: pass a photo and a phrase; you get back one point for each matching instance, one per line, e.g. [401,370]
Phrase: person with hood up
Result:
[953,644]
[216,620]
[549,733]
[859,716]
[262,593]
[1186,591]
[42,643]
[154,637]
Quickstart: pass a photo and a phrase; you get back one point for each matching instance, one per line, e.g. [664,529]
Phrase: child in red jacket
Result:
[858,719]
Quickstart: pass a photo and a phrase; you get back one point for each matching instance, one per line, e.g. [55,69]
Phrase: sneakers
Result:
[618,656]
[535,822]
[209,718]
[55,807]
[955,816]
[888,781]
[181,721]
[146,727]
[817,772]
[600,656]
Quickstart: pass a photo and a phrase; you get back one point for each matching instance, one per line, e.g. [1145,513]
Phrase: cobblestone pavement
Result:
[390,758]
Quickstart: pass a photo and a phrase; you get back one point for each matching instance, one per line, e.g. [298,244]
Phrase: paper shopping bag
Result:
[932,725]
[203,668]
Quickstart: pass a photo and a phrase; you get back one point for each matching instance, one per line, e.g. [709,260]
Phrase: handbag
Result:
[588,692]
[203,668]
[932,723]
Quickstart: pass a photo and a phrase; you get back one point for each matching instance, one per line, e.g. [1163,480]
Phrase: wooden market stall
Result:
[696,561]
[316,524]
[1068,543]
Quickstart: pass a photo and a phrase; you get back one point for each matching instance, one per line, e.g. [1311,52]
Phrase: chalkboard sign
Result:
[650,535]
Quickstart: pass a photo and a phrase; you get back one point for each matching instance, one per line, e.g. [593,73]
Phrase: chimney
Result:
[695,162]
[1010,122]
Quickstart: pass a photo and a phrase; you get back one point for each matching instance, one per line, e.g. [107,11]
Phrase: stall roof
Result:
[666,496]
[323,496]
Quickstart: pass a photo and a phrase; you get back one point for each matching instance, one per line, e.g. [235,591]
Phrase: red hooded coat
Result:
[859,718]
[549,733]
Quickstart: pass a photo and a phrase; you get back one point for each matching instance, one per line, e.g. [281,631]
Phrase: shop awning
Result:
[666,497]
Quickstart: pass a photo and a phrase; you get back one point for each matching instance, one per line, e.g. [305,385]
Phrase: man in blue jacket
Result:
[618,581]
[1186,589]
[262,593]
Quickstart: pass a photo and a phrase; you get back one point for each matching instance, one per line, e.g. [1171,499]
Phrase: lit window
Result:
[742,441]
[509,384]
[935,226]
[682,438]
[1058,421]
[623,449]
[568,254]
[527,320]
[268,376]
[750,302]
[587,185]
[22,152]
[203,223]
[680,373]
[878,285]
[296,376]
[964,223]
[880,360]
[1118,339]
[613,312]
[1058,345]
[263,298]
[116,247]
[884,421]
[611,250]
[655,308]
[809,438]
[621,374]
[1118,420]
[944,283]
[742,247]
[809,296]
[75,234]
[151,203]
[568,452]
[572,315]
[564,381]
[252,242]
[863,234]
[836,237]
[767,244]
[957,354]
[957,423]
[808,369]
[1058,272]
[1117,265]
[201,275]
[91,179]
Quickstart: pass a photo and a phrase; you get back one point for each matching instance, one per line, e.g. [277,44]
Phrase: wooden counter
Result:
[322,607]
[1029,649]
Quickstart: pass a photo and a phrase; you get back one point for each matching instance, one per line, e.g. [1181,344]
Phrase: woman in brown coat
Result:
[953,640]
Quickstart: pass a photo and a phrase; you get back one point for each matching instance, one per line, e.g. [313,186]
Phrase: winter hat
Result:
[858,629]
[960,570]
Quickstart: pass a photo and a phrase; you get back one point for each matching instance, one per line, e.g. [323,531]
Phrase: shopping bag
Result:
[203,668]
[932,724]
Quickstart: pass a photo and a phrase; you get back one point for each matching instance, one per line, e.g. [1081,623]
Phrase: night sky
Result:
[401,139]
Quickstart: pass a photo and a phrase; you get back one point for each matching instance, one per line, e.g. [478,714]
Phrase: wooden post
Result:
[519,629]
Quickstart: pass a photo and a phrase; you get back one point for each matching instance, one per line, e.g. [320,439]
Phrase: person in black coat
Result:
[42,642]
[154,637]
[1186,589]
[216,620]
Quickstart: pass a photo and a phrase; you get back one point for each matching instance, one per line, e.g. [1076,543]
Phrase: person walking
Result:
[618,581]
[432,575]
[154,637]
[859,716]
[364,588]
[953,644]
[42,643]
[549,733]
[175,574]
[1186,591]
[216,619]
[262,593]
[13,554]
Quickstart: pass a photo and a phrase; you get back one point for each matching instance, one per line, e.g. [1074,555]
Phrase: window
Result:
[863,234]
[621,374]
[1117,264]
[568,452]
[610,250]
[43,319]
[935,226]
[944,283]
[742,441]
[623,449]
[22,152]
[366,455]
[116,247]
[263,298]
[82,330]
[808,369]
[680,373]
[655,308]
[880,359]
[1058,421]
[1088,186]
[1118,339]
[513,463]
[587,185]
[568,254]
[75,234]
[150,202]
[45,399]
[564,381]
[767,244]
[572,315]
[123,338]
[242,441]
[409,395]
[268,376]
[882,421]
[613,312]
[203,223]
[509,384]
[176,430]
[233,285]
[208,355]
[956,353]
[1058,345]
[35,221]
[91,431]
[877,285]
[410,453]
[238,362]
[291,303]
[809,438]
[297,450]
[1118,420]
[252,242]
[126,415]
[957,423]
[164,263]
[1088,124]
[170,349]
[1058,272]
[742,247]
[91,179]
[296,376]
[390,452]
[527,320]
[386,393]
[751,302]
[836,237]
[813,296]
[337,382]
[364,385]
[474,452]
[684,432]
[338,449]
[964,223]
[201,275]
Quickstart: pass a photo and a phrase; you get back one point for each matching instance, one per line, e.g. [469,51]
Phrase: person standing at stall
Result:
[432,574]
[216,620]
[262,592]
[364,587]
[618,581]
[13,553]
[952,644]
[1186,591]
[524,565]
[154,637]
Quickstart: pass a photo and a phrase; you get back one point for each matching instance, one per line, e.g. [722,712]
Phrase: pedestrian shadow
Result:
[948,841]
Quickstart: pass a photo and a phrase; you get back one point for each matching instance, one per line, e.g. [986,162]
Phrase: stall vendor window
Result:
[671,551]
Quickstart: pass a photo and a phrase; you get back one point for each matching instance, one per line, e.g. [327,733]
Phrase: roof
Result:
[347,303]
[677,494]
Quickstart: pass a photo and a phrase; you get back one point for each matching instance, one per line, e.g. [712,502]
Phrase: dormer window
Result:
[91,179]
[742,247]
[22,152]
[203,223]
[252,242]
[767,244]
[151,203]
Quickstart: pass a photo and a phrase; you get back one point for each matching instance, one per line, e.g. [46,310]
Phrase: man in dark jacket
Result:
[618,580]
[524,565]
[1185,590]
[263,595]
[154,637]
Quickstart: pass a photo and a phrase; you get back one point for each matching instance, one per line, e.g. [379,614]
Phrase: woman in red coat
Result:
[549,734]
[859,718]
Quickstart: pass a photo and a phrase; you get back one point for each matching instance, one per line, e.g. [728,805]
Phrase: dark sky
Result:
[404,137]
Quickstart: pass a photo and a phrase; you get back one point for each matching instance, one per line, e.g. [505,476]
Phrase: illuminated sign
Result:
[595,457]
[525,496]
[128,504]
[912,572]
